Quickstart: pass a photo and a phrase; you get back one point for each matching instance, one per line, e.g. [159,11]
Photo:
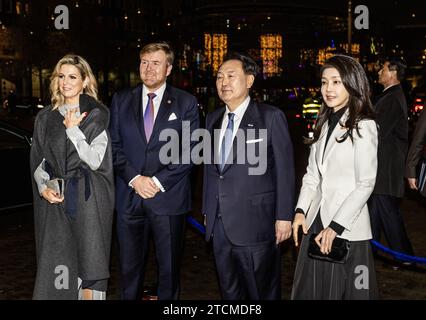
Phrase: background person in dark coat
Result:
[392,118]
[152,195]
[247,215]
[73,232]
[416,154]
[11,102]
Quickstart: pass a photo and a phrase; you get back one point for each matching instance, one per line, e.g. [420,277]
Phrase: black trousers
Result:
[385,215]
[134,233]
[246,272]
[99,285]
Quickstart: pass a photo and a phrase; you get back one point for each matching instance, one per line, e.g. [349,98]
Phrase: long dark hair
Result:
[356,83]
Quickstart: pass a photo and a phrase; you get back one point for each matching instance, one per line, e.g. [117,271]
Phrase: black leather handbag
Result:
[338,254]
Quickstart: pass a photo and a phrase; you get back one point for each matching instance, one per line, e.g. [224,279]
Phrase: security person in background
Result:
[392,119]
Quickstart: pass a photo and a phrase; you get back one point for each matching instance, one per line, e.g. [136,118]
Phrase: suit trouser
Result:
[385,215]
[133,236]
[246,272]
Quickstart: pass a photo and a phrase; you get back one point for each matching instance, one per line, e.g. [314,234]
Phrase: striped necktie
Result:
[227,141]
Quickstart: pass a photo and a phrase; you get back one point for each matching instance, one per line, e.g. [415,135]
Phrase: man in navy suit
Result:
[248,205]
[152,194]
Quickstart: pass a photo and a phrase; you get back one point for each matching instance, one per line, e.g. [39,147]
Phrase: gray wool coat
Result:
[68,247]
[417,151]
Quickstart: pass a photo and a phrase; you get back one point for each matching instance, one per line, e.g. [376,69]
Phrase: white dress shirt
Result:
[239,113]
[157,100]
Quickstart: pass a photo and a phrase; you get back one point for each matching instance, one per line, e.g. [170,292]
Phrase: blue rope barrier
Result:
[196,224]
[398,255]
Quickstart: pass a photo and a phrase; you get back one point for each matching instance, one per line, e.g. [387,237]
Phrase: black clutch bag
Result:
[338,254]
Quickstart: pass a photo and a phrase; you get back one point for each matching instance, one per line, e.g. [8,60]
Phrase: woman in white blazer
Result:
[339,180]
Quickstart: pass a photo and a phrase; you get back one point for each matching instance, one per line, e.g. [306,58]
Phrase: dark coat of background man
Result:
[11,102]
[416,155]
[151,197]
[392,118]
[247,216]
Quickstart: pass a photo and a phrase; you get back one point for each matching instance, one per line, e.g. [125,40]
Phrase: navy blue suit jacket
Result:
[132,155]
[249,205]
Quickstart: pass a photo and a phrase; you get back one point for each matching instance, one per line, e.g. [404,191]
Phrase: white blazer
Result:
[341,179]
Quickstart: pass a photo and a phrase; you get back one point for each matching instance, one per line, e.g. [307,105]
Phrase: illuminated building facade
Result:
[215,48]
[271,48]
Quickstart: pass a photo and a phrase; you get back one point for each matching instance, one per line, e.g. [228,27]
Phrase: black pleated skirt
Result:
[322,280]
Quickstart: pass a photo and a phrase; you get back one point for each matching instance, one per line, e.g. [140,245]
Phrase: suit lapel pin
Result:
[250,125]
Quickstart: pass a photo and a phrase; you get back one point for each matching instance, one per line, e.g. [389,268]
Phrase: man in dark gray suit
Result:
[392,118]
[416,156]
[248,206]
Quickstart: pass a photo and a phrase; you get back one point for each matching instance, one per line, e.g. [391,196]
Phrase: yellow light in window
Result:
[215,48]
[271,51]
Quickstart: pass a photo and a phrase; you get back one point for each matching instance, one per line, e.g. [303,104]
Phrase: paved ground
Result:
[17,262]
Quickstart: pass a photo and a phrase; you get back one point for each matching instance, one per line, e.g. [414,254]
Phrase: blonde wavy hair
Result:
[90,88]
